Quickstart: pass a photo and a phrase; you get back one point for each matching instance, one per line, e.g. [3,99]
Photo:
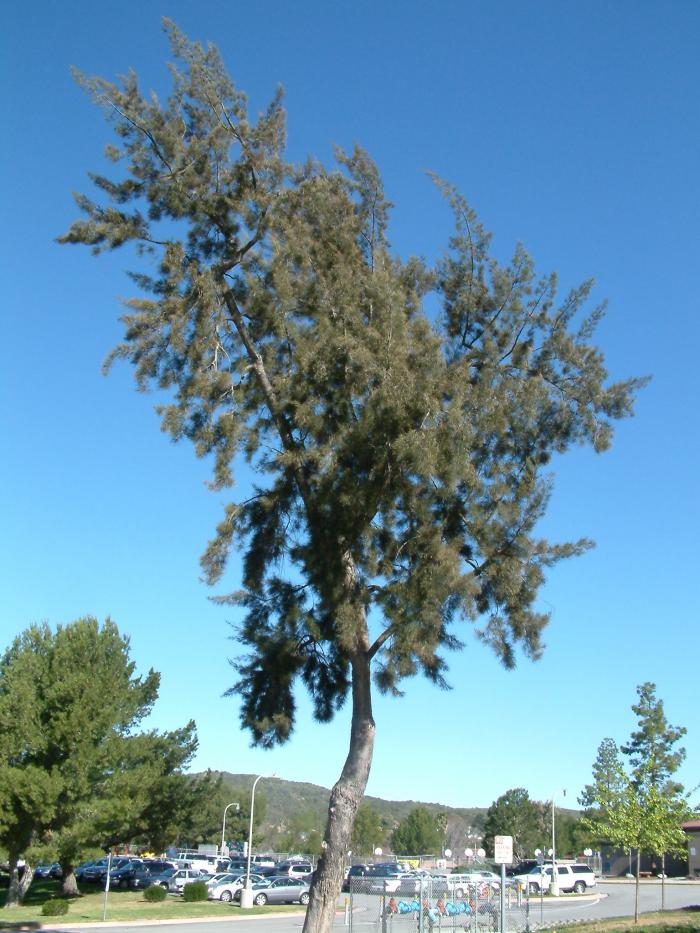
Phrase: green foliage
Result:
[639,808]
[514,814]
[195,891]
[302,833]
[154,893]
[54,908]
[401,457]
[418,834]
[368,831]
[651,748]
[74,772]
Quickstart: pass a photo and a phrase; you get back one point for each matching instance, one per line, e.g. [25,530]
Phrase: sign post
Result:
[503,855]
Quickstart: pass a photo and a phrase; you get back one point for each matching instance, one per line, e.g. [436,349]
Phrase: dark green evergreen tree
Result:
[401,456]
[652,748]
[368,830]
[74,773]
[420,833]
[514,814]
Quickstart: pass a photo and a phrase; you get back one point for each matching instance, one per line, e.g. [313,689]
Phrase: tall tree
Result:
[73,771]
[400,454]
[639,807]
[420,833]
[368,830]
[514,814]
[652,746]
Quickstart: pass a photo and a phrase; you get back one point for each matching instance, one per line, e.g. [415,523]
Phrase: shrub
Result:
[154,893]
[195,891]
[54,908]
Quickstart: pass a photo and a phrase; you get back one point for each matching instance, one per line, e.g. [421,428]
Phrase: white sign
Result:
[503,850]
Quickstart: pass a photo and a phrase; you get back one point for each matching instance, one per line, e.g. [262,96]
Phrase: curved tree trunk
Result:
[25,881]
[13,888]
[346,798]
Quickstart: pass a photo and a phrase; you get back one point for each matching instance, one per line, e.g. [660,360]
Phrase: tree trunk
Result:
[346,798]
[25,881]
[663,881]
[70,883]
[14,898]
[636,887]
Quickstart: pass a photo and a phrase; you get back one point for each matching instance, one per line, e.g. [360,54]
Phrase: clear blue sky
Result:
[573,127]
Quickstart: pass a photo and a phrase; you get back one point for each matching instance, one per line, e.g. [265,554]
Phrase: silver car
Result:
[225,889]
[280,890]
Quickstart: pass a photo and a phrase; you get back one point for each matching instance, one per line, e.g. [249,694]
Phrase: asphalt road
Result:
[611,899]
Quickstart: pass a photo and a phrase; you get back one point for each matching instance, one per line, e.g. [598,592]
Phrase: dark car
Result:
[150,868]
[96,872]
[353,879]
[48,871]
[123,876]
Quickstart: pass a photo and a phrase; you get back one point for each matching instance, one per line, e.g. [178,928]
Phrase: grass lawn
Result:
[685,920]
[121,905]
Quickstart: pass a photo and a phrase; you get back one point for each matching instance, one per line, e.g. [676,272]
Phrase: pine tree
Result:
[514,814]
[651,748]
[420,833]
[401,456]
[74,773]
[639,807]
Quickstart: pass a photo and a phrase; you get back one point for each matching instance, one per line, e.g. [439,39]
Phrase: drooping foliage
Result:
[401,455]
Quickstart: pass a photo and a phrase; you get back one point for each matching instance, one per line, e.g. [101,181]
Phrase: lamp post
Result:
[554,887]
[247,892]
[223,825]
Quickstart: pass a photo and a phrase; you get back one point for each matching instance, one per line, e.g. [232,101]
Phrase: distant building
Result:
[692,830]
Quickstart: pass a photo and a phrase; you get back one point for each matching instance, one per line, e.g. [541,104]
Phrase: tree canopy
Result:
[74,772]
[639,806]
[401,453]
[420,833]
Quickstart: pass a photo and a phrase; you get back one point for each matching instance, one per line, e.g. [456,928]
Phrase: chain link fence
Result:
[429,905]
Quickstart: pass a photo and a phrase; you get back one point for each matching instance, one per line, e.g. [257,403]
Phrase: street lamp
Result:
[247,892]
[223,825]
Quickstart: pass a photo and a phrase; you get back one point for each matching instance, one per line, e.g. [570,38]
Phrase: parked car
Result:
[162,878]
[226,890]
[281,890]
[352,880]
[149,869]
[577,878]
[184,876]
[48,871]
[122,877]
[294,868]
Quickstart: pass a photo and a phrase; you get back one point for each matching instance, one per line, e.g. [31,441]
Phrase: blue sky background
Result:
[572,127]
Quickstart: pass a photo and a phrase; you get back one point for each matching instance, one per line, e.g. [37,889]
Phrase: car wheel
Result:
[164,884]
[580,887]
[226,896]
[304,899]
[534,888]
[459,892]
[260,900]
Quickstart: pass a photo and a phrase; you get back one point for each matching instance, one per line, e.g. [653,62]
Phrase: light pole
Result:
[223,825]
[247,892]
[554,887]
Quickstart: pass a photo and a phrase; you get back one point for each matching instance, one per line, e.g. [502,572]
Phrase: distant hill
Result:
[284,798]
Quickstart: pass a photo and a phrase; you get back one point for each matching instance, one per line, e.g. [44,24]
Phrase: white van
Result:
[199,861]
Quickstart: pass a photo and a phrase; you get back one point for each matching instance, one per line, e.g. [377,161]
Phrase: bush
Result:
[195,891]
[54,908]
[154,893]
